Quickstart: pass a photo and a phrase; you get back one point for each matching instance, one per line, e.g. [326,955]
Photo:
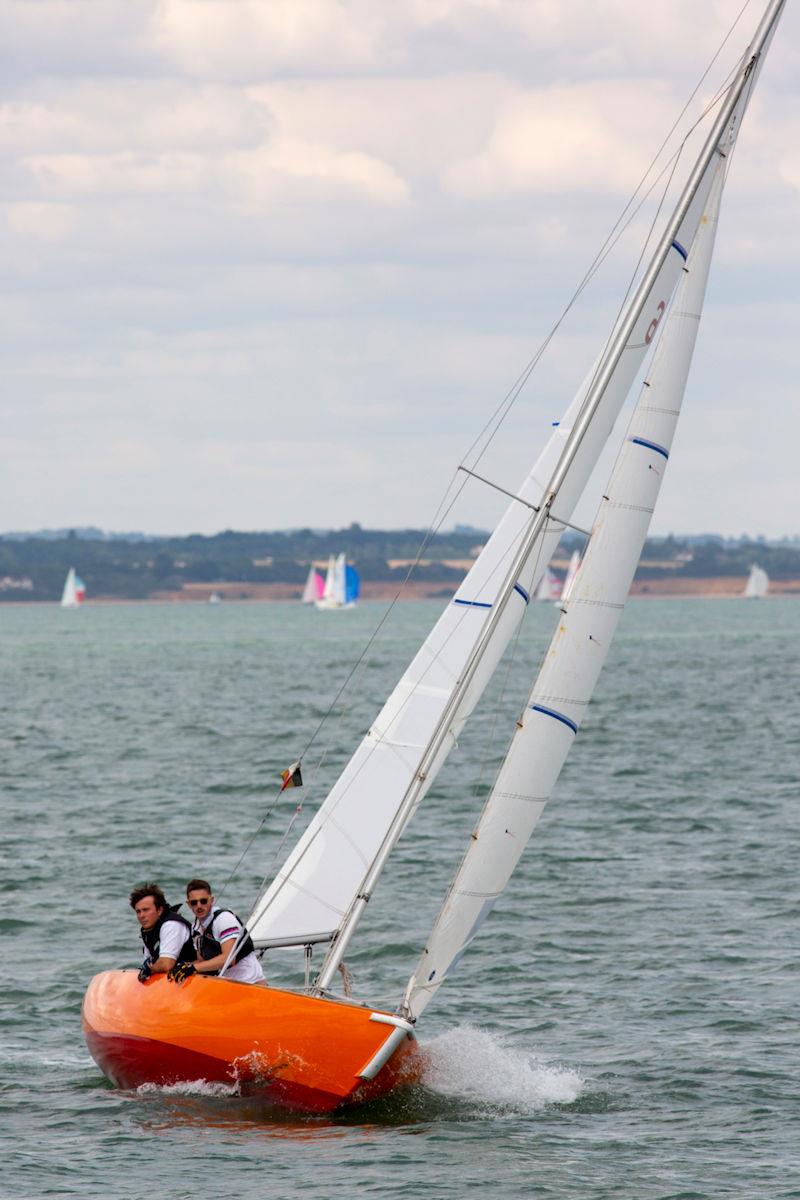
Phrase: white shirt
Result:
[226,928]
[171,939]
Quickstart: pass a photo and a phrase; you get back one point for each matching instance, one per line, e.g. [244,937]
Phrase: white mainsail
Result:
[330,580]
[757,584]
[321,891]
[579,647]
[339,580]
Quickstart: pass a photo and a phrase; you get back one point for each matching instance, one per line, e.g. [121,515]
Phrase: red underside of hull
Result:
[130,1062]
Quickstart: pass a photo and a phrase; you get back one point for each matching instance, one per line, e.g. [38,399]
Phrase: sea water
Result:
[626,1023]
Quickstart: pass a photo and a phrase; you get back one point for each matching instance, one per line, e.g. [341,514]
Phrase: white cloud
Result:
[259,39]
[42,222]
[588,138]
[159,139]
[101,116]
[312,172]
[252,37]
[97,175]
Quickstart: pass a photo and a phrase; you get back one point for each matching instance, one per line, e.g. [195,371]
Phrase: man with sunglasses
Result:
[215,933]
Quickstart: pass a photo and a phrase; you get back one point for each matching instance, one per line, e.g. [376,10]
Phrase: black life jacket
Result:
[208,946]
[152,937]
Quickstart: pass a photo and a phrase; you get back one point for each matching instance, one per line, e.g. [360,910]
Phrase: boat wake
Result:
[189,1087]
[473,1065]
[466,1066]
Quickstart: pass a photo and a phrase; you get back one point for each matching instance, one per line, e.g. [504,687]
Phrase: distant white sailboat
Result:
[757,584]
[74,592]
[314,588]
[549,588]
[214,598]
[342,584]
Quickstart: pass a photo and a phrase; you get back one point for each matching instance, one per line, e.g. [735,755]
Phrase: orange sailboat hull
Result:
[300,1051]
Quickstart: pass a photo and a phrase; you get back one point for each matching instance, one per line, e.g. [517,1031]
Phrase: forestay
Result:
[579,647]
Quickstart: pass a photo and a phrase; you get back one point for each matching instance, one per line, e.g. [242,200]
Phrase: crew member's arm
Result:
[173,935]
[207,966]
[227,934]
[162,965]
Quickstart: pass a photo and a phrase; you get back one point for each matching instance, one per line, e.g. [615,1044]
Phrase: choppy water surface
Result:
[626,1025]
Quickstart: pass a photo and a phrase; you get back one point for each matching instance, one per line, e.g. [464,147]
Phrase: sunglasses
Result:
[194,903]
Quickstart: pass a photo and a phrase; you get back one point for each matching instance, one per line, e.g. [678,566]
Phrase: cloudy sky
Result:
[273,263]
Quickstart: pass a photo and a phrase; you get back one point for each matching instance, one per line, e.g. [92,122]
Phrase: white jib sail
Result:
[757,584]
[578,650]
[312,893]
[339,580]
[69,597]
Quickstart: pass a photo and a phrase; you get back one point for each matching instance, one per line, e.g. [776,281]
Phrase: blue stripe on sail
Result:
[472,603]
[650,446]
[551,712]
[677,246]
[522,592]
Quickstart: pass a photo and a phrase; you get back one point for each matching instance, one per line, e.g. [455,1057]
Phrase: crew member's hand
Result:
[180,971]
[145,971]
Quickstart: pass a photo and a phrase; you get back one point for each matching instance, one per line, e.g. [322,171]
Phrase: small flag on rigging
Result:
[291,777]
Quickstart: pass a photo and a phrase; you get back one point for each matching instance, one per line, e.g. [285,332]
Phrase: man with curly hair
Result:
[166,935]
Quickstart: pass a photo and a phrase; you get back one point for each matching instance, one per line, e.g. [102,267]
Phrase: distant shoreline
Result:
[721,587]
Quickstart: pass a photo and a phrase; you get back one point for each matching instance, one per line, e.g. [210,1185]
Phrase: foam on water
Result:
[476,1065]
[188,1087]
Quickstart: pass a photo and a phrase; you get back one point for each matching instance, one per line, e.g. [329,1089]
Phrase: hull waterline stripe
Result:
[472,603]
[557,716]
[677,246]
[637,441]
[522,592]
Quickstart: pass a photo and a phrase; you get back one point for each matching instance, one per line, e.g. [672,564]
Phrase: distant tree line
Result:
[34,568]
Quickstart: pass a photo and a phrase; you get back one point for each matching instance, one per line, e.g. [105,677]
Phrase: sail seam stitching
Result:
[522,796]
[631,507]
[596,603]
